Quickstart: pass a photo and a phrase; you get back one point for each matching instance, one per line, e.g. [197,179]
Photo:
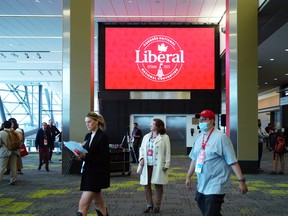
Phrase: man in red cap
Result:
[212,158]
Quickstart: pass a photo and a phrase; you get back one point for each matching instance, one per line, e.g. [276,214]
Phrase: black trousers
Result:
[260,151]
[135,154]
[210,205]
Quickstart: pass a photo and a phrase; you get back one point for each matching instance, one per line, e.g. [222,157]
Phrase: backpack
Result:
[280,145]
[13,140]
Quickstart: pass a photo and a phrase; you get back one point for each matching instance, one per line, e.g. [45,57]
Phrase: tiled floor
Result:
[50,193]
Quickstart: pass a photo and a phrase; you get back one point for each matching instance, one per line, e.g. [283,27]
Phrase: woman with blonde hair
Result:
[96,163]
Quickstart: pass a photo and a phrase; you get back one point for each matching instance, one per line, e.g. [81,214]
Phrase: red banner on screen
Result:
[151,58]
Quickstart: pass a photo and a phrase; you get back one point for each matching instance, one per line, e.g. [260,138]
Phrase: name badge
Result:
[200,162]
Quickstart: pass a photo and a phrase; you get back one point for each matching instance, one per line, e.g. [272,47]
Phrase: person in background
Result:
[7,156]
[270,130]
[95,167]
[20,132]
[59,137]
[136,140]
[262,134]
[212,158]
[155,157]
[43,142]
[54,132]
[279,151]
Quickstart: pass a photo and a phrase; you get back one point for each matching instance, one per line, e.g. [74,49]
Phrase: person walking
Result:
[155,157]
[8,159]
[43,142]
[279,151]
[95,167]
[54,133]
[136,140]
[212,158]
[20,132]
[262,134]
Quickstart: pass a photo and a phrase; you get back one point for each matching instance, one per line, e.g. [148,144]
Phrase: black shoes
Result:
[100,214]
[12,183]
[148,209]
[39,168]
[156,209]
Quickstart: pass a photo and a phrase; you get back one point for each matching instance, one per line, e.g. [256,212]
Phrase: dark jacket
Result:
[96,172]
[54,131]
[39,142]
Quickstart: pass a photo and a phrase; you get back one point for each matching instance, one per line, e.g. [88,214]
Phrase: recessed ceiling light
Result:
[266,83]
[275,79]
[286,74]
[259,66]
[272,59]
[286,50]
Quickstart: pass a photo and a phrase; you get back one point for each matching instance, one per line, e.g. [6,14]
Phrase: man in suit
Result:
[54,133]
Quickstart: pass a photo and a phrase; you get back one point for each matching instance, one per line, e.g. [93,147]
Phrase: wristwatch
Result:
[242,180]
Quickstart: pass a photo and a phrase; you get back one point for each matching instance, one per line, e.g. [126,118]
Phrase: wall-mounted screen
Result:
[159,58]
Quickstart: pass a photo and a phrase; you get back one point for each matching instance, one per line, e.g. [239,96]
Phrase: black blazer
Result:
[96,172]
[39,142]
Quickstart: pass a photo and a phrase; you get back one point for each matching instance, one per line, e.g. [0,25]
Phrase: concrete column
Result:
[78,70]
[242,80]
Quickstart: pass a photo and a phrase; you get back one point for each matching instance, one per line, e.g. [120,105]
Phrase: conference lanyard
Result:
[204,143]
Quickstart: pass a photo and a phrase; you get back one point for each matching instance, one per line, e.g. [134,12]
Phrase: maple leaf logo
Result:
[162,48]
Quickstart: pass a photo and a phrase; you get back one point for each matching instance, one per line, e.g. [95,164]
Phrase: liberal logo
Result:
[159,58]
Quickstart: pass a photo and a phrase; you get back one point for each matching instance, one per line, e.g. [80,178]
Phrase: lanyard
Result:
[204,143]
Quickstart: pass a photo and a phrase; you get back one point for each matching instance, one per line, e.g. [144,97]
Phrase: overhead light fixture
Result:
[272,59]
[14,54]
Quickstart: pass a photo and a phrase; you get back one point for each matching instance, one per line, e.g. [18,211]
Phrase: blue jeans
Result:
[210,205]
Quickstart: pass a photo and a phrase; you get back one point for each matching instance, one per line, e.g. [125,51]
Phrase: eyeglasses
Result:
[203,119]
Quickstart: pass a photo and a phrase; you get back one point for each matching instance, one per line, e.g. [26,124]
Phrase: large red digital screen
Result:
[164,58]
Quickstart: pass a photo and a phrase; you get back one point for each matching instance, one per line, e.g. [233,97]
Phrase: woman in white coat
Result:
[155,157]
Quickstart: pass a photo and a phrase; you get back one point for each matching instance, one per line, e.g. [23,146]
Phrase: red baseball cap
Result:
[206,114]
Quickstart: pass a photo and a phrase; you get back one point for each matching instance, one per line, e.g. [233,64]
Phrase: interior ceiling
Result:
[31,34]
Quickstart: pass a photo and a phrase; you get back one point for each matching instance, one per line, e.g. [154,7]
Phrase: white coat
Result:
[162,158]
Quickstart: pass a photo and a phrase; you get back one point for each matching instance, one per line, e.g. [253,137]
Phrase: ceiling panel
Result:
[31,7]
[36,25]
